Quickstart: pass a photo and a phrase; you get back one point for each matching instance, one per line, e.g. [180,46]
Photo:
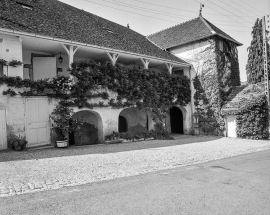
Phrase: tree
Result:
[254,67]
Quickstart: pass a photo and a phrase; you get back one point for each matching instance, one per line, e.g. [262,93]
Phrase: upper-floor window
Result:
[221,45]
[1,70]
[178,72]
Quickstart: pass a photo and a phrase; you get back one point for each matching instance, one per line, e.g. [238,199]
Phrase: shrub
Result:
[160,134]
[16,142]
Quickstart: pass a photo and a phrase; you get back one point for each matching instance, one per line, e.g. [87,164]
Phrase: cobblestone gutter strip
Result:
[18,177]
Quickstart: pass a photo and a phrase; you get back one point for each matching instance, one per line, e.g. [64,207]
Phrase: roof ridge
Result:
[220,32]
[172,27]
[208,26]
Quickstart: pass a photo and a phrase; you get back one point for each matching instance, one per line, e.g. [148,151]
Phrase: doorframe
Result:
[26,118]
[182,121]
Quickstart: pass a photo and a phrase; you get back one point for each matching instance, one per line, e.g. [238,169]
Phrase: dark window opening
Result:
[1,70]
[179,72]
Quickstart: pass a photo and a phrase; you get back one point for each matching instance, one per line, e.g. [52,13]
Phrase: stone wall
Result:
[215,61]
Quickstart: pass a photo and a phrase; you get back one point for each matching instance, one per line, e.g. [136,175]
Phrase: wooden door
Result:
[37,119]
[3,130]
[231,126]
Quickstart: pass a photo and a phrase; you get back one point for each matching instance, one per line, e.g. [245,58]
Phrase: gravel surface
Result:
[126,159]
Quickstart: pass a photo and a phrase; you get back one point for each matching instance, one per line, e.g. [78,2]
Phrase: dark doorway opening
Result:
[122,125]
[176,117]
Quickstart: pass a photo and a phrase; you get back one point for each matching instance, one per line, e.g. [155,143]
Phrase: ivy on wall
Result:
[252,122]
[218,74]
[145,89]
[249,104]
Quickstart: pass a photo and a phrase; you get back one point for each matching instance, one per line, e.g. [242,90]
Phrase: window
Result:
[1,70]
[179,72]
[221,46]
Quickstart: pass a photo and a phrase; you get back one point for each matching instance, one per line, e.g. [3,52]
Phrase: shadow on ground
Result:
[100,148]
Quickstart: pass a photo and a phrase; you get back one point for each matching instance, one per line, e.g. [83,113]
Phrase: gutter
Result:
[191,106]
[70,42]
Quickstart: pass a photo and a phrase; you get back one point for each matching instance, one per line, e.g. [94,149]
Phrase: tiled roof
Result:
[241,96]
[187,32]
[55,19]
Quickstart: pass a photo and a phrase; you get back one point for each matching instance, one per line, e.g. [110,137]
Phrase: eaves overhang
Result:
[70,42]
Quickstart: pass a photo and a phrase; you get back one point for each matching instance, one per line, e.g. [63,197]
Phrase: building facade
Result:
[47,36]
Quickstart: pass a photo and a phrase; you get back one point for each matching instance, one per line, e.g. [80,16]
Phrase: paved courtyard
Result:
[32,171]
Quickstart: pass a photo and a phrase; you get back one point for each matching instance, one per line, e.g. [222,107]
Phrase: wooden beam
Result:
[145,62]
[113,57]
[70,50]
[169,67]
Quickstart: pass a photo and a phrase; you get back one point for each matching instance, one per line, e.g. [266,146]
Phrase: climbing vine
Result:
[145,89]
[252,121]
[219,72]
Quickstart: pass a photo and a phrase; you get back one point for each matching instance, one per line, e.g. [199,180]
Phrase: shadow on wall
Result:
[132,120]
[90,132]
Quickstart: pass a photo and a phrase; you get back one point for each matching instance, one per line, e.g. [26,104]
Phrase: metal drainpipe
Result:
[192,123]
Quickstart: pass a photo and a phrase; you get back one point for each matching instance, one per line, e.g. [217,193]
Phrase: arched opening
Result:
[176,118]
[132,120]
[122,124]
[90,132]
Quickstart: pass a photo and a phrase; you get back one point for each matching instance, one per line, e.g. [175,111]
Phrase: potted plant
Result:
[16,142]
[63,124]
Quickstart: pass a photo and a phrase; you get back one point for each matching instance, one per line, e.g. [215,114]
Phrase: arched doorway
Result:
[122,124]
[90,132]
[132,119]
[176,118]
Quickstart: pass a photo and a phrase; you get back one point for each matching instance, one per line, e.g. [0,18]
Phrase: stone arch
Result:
[91,131]
[176,120]
[136,119]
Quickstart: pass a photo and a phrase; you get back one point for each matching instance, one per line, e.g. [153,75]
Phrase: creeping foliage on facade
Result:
[218,73]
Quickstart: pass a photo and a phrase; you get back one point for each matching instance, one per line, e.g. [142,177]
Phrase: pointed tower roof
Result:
[187,32]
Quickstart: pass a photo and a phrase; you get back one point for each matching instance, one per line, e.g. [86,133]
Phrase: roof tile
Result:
[56,19]
[187,32]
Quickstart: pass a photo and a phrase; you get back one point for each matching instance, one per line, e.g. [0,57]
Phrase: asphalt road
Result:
[237,185]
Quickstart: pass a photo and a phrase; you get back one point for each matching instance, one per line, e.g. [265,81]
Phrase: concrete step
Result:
[40,147]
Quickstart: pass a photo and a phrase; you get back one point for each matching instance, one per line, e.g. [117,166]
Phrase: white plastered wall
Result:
[15,111]
[11,49]
[190,53]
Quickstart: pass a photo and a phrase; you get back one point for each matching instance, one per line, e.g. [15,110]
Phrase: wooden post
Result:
[70,50]
[265,57]
[265,66]
[113,57]
[169,67]
[145,62]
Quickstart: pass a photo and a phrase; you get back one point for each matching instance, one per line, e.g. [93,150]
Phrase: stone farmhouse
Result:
[39,34]
[48,35]
[214,58]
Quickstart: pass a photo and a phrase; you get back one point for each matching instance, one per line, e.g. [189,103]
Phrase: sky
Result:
[234,17]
